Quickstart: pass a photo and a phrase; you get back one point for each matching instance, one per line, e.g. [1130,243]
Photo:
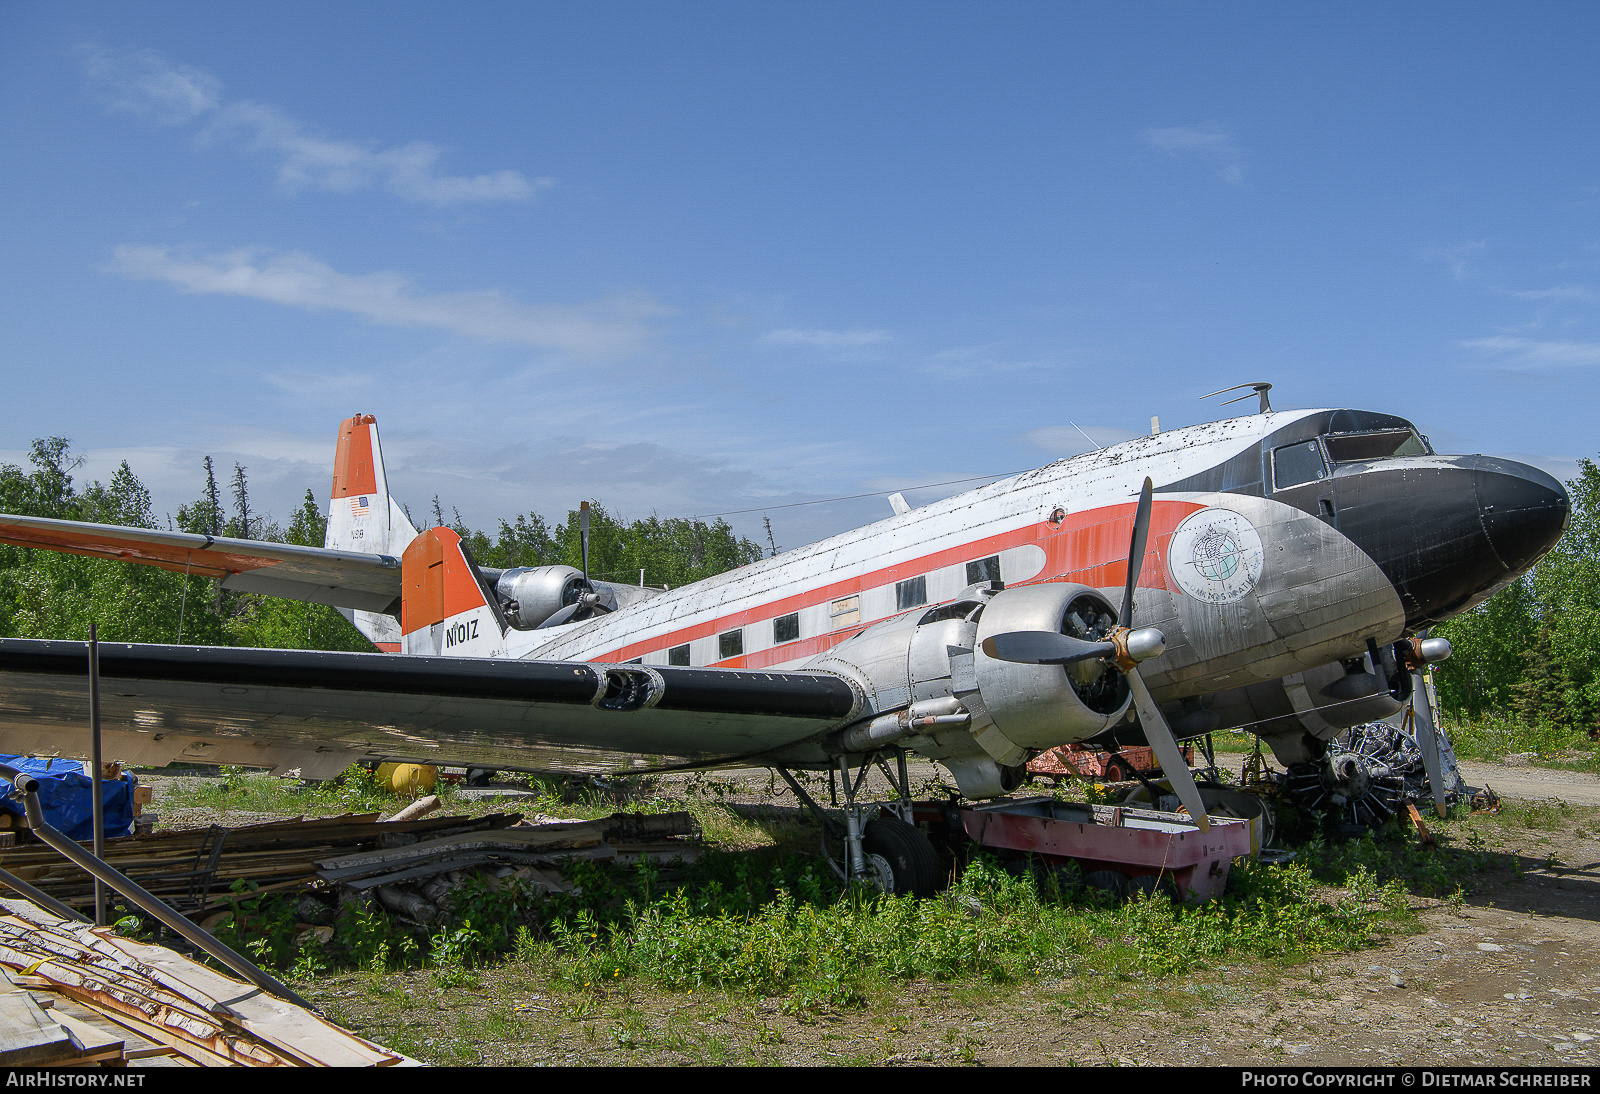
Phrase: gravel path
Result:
[1534,783]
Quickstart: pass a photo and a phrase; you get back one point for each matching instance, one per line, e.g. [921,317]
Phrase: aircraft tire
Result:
[1153,884]
[909,853]
[1114,882]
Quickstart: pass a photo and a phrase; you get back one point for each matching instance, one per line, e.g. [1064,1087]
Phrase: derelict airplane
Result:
[1274,571]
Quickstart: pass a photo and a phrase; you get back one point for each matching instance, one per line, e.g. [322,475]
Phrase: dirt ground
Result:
[1510,977]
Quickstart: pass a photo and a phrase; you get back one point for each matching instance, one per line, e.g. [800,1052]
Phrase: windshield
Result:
[1349,447]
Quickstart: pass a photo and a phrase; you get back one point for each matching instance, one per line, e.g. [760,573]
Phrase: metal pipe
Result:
[97,804]
[40,897]
[101,871]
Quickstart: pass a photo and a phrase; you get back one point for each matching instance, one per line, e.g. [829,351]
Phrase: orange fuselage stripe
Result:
[1090,547]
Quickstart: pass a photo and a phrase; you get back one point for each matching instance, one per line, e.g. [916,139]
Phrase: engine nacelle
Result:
[532,594]
[1042,706]
[937,693]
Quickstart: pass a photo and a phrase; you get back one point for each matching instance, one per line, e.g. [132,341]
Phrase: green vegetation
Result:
[705,960]
[47,594]
[770,922]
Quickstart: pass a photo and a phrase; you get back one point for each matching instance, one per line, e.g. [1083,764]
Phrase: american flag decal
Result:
[358,506]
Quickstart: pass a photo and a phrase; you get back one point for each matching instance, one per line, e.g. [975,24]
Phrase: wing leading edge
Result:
[320,712]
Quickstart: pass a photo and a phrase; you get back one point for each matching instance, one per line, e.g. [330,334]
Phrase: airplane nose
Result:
[1450,531]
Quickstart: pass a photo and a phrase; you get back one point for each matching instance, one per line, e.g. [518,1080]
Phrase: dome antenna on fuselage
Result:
[1259,389]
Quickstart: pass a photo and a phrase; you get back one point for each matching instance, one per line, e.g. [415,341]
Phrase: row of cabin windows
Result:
[912,593]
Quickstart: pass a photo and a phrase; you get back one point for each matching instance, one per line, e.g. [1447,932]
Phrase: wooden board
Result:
[28,1036]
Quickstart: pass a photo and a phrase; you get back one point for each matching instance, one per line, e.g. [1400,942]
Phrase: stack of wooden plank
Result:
[413,881]
[282,855]
[76,995]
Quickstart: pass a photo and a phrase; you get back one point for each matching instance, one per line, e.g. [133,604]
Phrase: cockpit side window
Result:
[1349,447]
[1295,464]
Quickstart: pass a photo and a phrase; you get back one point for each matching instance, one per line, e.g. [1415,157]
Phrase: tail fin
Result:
[362,517]
[444,607]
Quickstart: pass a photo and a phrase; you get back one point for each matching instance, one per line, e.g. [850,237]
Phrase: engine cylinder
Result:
[533,594]
[1042,706]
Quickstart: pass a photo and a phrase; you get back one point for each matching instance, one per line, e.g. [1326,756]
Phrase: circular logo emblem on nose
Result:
[1215,555]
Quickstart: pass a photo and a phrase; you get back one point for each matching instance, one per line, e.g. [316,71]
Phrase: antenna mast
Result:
[1259,388]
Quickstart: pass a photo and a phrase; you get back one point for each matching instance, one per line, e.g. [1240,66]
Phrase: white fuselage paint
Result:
[1304,611]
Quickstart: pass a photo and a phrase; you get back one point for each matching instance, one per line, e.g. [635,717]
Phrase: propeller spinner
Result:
[1125,648]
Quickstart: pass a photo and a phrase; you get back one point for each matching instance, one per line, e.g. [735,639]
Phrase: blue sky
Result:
[695,258]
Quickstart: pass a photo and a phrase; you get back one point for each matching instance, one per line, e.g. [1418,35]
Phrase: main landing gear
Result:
[881,845]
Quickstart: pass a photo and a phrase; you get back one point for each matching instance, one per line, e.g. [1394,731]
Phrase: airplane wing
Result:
[320,712]
[320,575]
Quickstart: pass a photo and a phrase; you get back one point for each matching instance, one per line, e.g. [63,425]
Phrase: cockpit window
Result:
[1297,463]
[1348,447]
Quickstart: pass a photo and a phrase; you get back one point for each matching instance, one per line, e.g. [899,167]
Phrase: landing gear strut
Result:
[887,852]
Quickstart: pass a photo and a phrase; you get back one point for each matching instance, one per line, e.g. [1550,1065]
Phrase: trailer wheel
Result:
[1114,882]
[910,855]
[1151,884]
[1115,774]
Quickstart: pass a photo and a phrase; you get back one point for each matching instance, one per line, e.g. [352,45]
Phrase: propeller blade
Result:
[562,615]
[1427,734]
[583,536]
[1044,648]
[1165,746]
[1141,532]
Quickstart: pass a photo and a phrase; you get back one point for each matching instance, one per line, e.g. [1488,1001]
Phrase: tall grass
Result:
[992,925]
[1492,736]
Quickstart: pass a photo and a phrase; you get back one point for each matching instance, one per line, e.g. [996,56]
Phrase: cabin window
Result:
[846,612]
[985,569]
[1348,447]
[1297,463]
[730,644]
[786,628]
[678,655]
[910,594]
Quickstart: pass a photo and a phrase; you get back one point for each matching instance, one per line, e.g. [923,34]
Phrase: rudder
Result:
[362,517]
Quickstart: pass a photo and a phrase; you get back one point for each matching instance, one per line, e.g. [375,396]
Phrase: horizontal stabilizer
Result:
[345,579]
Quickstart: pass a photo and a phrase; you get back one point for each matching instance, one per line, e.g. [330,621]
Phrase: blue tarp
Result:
[64,797]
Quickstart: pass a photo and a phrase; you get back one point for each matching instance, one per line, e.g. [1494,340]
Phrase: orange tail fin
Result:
[444,608]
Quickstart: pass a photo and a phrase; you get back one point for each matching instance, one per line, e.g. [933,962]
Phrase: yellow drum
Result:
[407,780]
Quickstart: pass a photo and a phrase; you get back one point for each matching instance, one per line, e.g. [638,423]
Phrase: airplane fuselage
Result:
[1280,544]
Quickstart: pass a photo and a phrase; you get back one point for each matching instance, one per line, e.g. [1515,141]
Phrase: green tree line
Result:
[49,594]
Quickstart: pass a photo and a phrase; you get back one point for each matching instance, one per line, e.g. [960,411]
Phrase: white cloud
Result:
[964,362]
[828,339]
[610,327]
[1209,141]
[1457,259]
[1559,292]
[144,83]
[1527,353]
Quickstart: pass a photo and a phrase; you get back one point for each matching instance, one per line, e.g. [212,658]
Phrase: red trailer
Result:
[1115,847]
